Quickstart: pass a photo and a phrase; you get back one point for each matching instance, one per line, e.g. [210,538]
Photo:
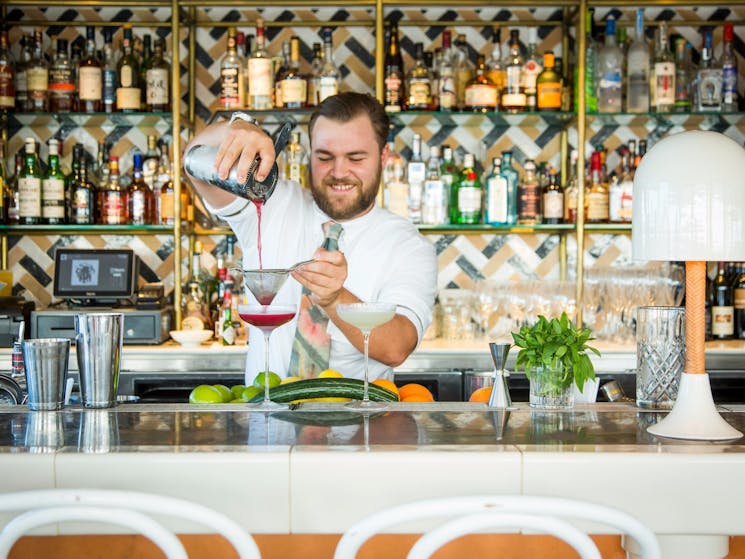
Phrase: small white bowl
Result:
[191,338]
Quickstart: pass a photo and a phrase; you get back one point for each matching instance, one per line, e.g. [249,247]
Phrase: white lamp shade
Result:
[689,199]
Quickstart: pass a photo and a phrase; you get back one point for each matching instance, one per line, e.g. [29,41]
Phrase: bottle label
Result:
[664,78]
[446,91]
[529,74]
[529,201]
[229,88]
[481,95]
[553,205]
[7,87]
[549,95]
[29,197]
[109,86]
[729,84]
[37,79]
[137,204]
[397,198]
[469,199]
[393,93]
[296,172]
[61,79]
[627,200]
[80,202]
[434,203]
[329,86]
[722,321]
[113,208]
[89,83]
[610,82]
[53,198]
[21,81]
[125,76]
[496,200]
[157,86]
[512,82]
[420,94]
[128,98]
[740,298]
[294,91]
[514,100]
[709,89]
[597,206]
[416,172]
[260,77]
[166,208]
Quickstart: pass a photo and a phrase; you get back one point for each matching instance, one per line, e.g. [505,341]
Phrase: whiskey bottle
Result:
[37,76]
[394,72]
[53,188]
[29,186]
[82,200]
[330,78]
[260,73]
[140,197]
[481,92]
[419,83]
[157,80]
[294,84]
[232,95]
[21,75]
[597,193]
[529,196]
[112,198]
[61,81]
[513,95]
[7,74]
[128,76]
[279,76]
[722,307]
[144,59]
[90,77]
[553,200]
[314,84]
[150,162]
[294,161]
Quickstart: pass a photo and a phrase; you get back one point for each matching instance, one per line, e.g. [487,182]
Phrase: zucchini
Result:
[326,388]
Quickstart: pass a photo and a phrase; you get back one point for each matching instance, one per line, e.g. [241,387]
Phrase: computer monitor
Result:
[95,276]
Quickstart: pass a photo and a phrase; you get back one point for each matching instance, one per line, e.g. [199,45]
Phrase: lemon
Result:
[226,393]
[288,380]
[274,380]
[237,390]
[205,394]
[330,373]
[249,392]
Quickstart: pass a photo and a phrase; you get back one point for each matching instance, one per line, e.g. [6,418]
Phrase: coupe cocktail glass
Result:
[266,318]
[366,316]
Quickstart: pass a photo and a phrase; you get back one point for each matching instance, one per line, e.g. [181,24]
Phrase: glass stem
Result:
[266,366]
[366,336]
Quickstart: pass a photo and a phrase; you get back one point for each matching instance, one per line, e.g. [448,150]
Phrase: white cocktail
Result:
[366,316]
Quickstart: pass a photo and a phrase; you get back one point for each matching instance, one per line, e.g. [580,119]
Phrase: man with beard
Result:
[381,257]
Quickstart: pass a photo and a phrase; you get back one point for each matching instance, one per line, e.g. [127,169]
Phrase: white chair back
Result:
[126,508]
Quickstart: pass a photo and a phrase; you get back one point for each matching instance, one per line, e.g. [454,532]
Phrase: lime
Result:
[237,401]
[288,380]
[330,373]
[227,395]
[274,380]
[249,392]
[237,390]
[205,394]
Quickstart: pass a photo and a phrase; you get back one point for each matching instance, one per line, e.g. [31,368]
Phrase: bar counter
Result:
[318,469]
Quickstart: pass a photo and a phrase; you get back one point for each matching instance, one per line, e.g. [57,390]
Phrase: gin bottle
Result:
[469,194]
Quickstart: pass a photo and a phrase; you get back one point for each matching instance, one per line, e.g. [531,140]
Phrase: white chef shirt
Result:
[388,261]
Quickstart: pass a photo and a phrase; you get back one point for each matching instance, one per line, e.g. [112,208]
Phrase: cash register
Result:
[101,280]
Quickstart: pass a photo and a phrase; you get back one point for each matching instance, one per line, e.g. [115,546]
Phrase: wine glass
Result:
[366,316]
[266,318]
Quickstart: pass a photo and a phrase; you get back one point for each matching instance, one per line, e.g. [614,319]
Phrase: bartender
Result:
[373,255]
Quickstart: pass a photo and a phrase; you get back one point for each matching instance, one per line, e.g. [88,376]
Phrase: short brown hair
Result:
[345,106]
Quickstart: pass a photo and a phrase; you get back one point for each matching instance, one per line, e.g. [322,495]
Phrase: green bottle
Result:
[449,176]
[53,189]
[469,193]
[29,187]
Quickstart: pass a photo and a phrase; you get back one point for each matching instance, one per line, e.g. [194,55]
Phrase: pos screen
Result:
[94,274]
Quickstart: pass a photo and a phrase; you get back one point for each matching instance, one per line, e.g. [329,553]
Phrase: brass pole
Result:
[379,54]
[192,68]
[564,148]
[581,124]
[176,147]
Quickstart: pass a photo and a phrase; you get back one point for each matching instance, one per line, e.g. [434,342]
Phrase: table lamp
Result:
[689,205]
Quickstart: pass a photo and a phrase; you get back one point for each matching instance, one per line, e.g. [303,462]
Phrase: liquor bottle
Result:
[112,198]
[140,197]
[446,87]
[433,60]
[435,197]
[553,200]
[21,75]
[193,305]
[157,80]
[227,333]
[529,196]
[330,77]
[53,189]
[449,175]
[37,76]
[739,303]
[7,74]
[144,59]
[637,85]
[494,68]
[571,190]
[279,75]
[468,194]
[463,69]
[294,84]
[295,161]
[597,193]
[416,174]
[419,83]
[683,77]
[729,71]
[395,188]
[531,68]
[662,82]
[108,74]
[4,182]
[549,85]
[481,92]
[231,76]
[621,207]
[260,73]
[61,81]
[128,76]
[708,78]
[495,195]
[11,199]
[82,199]
[164,184]
[90,76]
[29,186]
[314,80]
[150,161]
[610,61]
[722,307]
[513,95]
[591,55]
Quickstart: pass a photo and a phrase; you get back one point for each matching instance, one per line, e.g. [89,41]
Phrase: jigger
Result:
[500,393]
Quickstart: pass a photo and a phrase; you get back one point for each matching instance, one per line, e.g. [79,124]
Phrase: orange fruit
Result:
[414,389]
[387,384]
[481,395]
[418,398]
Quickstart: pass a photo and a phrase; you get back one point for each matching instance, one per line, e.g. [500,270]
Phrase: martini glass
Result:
[366,316]
[266,318]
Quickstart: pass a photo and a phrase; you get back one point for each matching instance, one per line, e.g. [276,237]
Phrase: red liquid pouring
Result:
[259,204]
[267,320]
